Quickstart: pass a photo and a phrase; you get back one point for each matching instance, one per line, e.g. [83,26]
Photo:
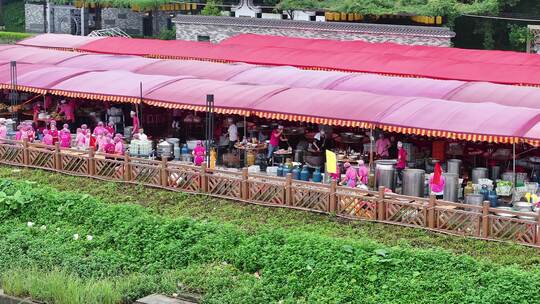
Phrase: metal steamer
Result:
[413,182]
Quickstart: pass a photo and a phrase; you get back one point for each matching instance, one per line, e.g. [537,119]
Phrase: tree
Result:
[211,8]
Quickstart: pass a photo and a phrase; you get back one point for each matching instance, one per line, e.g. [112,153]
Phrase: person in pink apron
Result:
[83,138]
[136,123]
[363,172]
[65,137]
[54,131]
[119,145]
[350,176]
[110,128]
[47,138]
[36,109]
[199,152]
[3,130]
[110,146]
[68,109]
[18,134]
[101,141]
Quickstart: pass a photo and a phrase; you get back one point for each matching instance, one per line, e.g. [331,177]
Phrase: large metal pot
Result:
[453,166]
[474,199]
[385,174]
[165,149]
[478,173]
[413,182]
[451,187]
[494,172]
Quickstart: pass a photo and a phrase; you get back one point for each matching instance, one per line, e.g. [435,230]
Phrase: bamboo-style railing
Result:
[480,222]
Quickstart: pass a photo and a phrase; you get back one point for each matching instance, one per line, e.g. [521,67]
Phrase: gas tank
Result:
[304,175]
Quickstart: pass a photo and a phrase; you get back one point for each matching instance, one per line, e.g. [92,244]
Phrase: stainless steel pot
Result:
[413,182]
[385,174]
[478,173]
[453,166]
[451,187]
[165,149]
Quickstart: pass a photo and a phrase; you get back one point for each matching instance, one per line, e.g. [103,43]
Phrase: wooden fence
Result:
[426,213]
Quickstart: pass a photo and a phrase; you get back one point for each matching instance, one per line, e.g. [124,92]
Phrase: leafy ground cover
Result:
[110,253]
[252,218]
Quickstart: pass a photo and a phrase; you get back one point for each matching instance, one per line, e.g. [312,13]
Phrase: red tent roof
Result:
[416,51]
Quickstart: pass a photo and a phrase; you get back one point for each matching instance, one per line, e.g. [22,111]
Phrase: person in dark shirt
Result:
[393,150]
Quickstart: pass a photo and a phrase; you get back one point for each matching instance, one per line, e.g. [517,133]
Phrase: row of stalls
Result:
[483,134]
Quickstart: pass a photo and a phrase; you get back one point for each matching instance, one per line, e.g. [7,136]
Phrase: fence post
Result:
[91,162]
[485,219]
[381,206]
[57,157]
[289,200]
[244,188]
[26,156]
[538,227]
[333,207]
[163,171]
[431,211]
[204,179]
[127,167]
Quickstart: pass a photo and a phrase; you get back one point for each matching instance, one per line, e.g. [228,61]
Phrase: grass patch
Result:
[252,218]
[133,252]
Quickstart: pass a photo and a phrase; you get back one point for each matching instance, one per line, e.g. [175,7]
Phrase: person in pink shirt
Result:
[198,153]
[65,137]
[36,109]
[67,108]
[363,172]
[47,138]
[18,134]
[3,130]
[436,182]
[99,128]
[119,145]
[381,146]
[83,138]
[109,144]
[350,176]
[275,138]
[101,141]
[110,128]
[401,161]
[54,131]
[136,123]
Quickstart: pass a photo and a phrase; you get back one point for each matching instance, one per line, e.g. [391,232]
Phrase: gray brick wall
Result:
[218,33]
[34,18]
[129,21]
[61,16]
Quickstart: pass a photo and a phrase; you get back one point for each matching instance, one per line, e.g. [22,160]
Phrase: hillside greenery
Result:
[64,244]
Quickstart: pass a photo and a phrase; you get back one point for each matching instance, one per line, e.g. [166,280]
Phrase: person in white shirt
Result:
[232,133]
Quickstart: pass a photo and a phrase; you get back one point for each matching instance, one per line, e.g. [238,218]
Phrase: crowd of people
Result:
[102,138]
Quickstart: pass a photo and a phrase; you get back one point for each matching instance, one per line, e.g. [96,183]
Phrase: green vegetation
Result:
[251,218]
[211,8]
[14,15]
[12,37]
[125,251]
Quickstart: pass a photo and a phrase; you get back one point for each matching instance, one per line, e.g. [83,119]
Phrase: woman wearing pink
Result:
[401,161]
[436,182]
[54,132]
[65,137]
[381,146]
[119,145]
[199,152]
[3,130]
[18,134]
[110,128]
[136,124]
[101,141]
[350,176]
[83,138]
[47,138]
[363,172]
[68,109]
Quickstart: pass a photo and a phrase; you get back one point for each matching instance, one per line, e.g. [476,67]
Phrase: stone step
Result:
[162,299]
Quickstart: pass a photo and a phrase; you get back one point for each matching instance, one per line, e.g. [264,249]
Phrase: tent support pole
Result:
[371,149]
[514,179]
